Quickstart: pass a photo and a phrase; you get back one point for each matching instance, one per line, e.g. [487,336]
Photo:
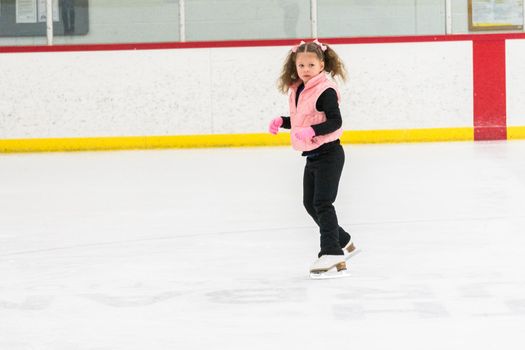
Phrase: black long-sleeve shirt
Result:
[327,103]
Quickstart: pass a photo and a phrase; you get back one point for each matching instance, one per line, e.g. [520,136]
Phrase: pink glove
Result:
[275,124]
[304,134]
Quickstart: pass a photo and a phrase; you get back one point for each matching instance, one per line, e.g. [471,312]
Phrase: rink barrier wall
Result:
[487,96]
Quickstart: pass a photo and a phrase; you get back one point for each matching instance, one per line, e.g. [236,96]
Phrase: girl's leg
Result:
[308,202]
[344,237]
[322,174]
[308,192]
[310,171]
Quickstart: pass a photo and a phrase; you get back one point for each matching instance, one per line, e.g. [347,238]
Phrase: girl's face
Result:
[308,65]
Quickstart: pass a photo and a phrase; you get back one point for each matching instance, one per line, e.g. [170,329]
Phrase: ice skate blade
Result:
[329,275]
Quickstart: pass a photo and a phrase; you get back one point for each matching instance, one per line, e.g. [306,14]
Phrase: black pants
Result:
[320,184]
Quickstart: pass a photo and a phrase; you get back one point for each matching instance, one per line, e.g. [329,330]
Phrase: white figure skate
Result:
[322,267]
[333,266]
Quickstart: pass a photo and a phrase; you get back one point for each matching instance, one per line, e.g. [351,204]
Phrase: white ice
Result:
[210,249]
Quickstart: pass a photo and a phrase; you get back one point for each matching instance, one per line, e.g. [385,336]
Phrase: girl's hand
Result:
[304,134]
[275,124]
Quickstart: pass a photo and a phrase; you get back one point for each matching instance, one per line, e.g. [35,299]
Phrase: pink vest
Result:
[306,114]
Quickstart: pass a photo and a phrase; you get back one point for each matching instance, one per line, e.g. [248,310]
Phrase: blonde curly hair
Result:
[332,64]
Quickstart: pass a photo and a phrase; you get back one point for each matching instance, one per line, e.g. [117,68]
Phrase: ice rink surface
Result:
[210,249]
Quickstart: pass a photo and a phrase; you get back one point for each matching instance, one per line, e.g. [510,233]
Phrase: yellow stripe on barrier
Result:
[71,144]
[228,140]
[408,135]
[220,140]
[140,142]
[515,132]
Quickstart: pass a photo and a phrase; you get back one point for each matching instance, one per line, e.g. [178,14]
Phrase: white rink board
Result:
[408,85]
[105,93]
[515,71]
[224,90]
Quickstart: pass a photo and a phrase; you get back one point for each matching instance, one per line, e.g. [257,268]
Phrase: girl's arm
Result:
[287,124]
[328,104]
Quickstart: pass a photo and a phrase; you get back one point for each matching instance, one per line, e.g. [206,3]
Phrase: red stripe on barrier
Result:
[490,121]
[261,42]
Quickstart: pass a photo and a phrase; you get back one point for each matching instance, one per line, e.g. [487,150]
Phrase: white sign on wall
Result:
[25,11]
[495,14]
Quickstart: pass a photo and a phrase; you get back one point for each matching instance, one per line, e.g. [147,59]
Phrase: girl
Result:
[315,123]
